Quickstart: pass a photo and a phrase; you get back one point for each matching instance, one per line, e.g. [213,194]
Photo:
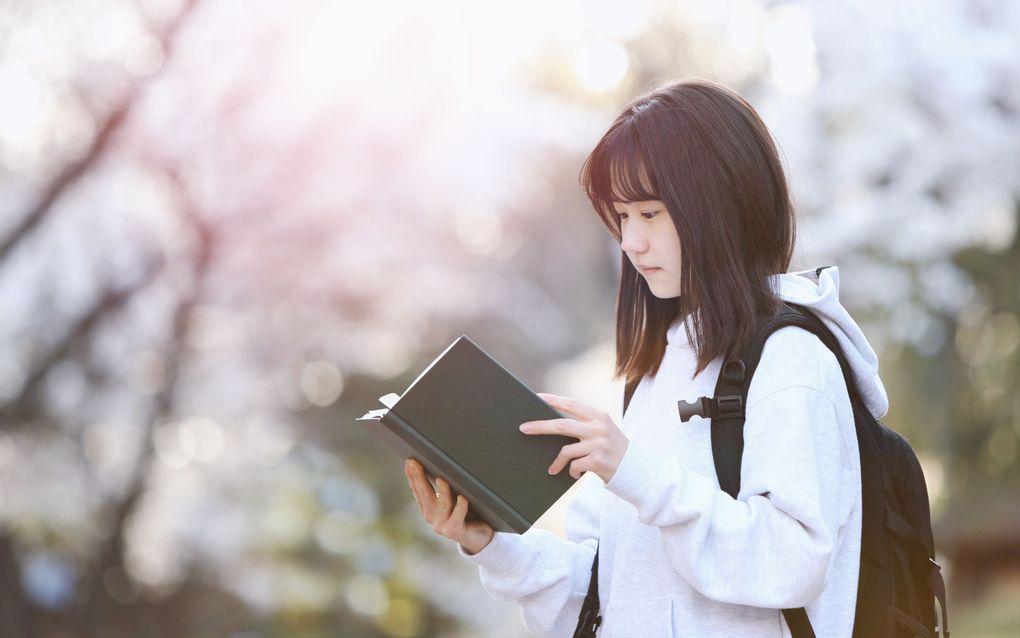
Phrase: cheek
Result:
[674,252]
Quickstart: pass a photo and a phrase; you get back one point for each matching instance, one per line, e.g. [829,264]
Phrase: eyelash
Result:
[622,216]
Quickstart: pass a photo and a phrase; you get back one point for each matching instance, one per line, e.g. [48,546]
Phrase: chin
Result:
[664,295]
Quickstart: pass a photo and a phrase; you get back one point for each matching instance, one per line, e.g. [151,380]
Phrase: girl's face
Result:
[651,242]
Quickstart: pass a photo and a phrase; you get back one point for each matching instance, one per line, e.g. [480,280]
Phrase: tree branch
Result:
[70,174]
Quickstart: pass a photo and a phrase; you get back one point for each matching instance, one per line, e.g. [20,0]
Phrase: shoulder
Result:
[793,357]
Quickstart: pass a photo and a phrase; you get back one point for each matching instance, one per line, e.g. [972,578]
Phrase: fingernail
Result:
[525,427]
[550,470]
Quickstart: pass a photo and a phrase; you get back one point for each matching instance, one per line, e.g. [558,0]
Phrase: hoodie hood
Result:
[818,289]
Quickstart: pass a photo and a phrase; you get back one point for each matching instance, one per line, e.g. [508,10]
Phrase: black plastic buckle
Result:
[688,409]
[728,406]
[731,405]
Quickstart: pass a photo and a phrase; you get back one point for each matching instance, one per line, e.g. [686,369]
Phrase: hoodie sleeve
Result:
[547,575]
[773,546]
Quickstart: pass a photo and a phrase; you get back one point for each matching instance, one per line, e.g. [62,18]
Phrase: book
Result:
[460,419]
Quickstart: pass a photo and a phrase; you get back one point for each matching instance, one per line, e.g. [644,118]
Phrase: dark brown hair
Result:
[702,150]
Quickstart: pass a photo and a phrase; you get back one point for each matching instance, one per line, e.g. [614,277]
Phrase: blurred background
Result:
[227,227]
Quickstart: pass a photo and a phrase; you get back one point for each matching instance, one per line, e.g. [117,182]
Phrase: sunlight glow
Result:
[341,532]
[321,382]
[201,439]
[791,48]
[22,115]
[367,595]
[195,439]
[480,231]
[391,354]
[618,19]
[600,65]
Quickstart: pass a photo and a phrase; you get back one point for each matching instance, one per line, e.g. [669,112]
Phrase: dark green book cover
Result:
[460,419]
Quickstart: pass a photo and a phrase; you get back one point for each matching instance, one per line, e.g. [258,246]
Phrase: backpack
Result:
[899,579]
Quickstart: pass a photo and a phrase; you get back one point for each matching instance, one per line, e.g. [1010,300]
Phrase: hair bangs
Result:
[616,171]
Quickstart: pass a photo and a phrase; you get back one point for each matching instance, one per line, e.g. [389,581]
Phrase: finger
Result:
[417,494]
[407,469]
[407,475]
[566,427]
[572,406]
[459,514]
[567,454]
[445,499]
[426,495]
[580,466]
[411,485]
[411,469]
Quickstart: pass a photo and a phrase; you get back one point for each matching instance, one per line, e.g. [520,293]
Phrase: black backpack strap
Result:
[728,423]
[797,621]
[727,411]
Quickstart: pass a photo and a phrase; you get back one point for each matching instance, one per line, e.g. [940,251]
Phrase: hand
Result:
[601,446]
[445,513]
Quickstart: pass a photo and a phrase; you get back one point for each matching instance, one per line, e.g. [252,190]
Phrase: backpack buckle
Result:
[729,406]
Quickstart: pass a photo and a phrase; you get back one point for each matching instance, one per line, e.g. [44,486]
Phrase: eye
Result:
[648,214]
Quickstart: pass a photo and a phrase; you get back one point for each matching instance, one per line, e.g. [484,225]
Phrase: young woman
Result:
[688,181]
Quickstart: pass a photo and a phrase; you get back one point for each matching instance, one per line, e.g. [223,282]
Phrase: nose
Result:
[632,239]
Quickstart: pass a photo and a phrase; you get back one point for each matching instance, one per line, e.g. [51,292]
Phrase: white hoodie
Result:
[680,557]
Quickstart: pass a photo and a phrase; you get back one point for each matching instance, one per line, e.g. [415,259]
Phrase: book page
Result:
[389,400]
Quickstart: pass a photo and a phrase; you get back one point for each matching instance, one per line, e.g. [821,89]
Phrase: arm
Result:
[773,546]
[547,575]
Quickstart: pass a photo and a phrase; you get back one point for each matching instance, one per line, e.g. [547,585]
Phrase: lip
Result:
[649,270]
